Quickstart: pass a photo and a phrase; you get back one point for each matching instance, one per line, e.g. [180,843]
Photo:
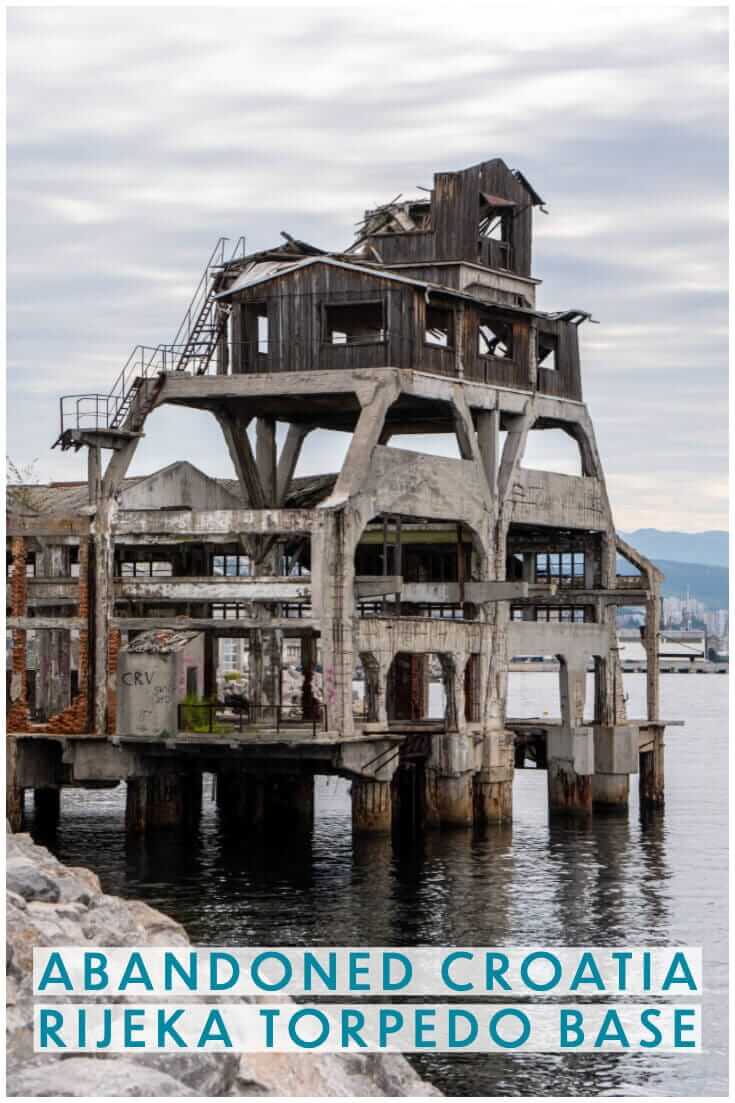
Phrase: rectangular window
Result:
[231,566]
[144,568]
[554,614]
[439,327]
[354,323]
[495,339]
[564,568]
[547,354]
[255,336]
[263,332]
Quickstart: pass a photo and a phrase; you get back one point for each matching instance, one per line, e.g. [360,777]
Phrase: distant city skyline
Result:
[135,143]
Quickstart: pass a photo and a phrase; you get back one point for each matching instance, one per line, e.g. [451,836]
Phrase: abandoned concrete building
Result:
[401,562]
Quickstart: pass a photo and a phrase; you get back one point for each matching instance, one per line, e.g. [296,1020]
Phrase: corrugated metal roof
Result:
[306,492]
[160,641]
[261,270]
[373,270]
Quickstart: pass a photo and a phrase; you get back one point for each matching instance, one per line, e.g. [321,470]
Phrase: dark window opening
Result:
[495,339]
[564,568]
[439,327]
[255,321]
[354,323]
[548,351]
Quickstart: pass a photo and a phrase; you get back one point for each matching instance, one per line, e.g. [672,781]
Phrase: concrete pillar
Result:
[570,749]
[210,666]
[493,798]
[161,800]
[47,808]
[371,806]
[569,792]
[455,800]
[309,704]
[651,641]
[610,792]
[651,773]
[616,758]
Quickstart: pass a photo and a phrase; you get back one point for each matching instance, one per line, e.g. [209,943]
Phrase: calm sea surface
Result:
[615,881]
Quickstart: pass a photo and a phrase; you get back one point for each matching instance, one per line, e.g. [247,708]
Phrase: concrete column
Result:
[651,773]
[488,427]
[371,806]
[103,608]
[163,799]
[653,627]
[493,800]
[449,780]
[309,704]
[616,758]
[610,792]
[493,784]
[570,748]
[47,808]
[569,792]
[455,800]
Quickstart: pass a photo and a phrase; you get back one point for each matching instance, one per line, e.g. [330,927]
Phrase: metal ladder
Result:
[193,346]
[204,323]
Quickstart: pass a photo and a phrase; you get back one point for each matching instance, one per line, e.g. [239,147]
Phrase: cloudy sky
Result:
[138,136]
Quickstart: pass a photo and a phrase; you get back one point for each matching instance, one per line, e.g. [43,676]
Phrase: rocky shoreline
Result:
[49,904]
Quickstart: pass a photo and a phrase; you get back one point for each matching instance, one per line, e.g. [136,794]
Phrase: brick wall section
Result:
[74,719]
[113,646]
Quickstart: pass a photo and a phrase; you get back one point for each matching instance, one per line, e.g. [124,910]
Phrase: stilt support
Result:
[371,806]
[161,800]
[651,772]
[47,808]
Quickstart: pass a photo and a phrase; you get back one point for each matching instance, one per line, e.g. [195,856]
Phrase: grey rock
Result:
[51,905]
[207,1074]
[91,1077]
[29,881]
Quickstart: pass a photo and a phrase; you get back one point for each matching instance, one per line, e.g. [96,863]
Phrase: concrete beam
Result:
[175,526]
[165,590]
[290,626]
[35,624]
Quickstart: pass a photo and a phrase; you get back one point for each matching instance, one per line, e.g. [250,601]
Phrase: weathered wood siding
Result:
[296,304]
[566,380]
[455,212]
[298,339]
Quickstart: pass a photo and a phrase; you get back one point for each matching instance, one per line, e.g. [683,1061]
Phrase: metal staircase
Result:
[192,348]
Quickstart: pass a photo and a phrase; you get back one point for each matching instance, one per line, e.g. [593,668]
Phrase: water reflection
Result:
[635,881]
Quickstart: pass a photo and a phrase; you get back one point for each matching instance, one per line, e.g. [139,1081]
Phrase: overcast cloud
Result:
[138,136]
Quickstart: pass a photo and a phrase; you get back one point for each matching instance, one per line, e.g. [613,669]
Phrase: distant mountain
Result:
[708,584]
[709,548]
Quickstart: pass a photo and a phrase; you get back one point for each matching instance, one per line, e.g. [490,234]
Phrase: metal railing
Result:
[221,719]
[108,411]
